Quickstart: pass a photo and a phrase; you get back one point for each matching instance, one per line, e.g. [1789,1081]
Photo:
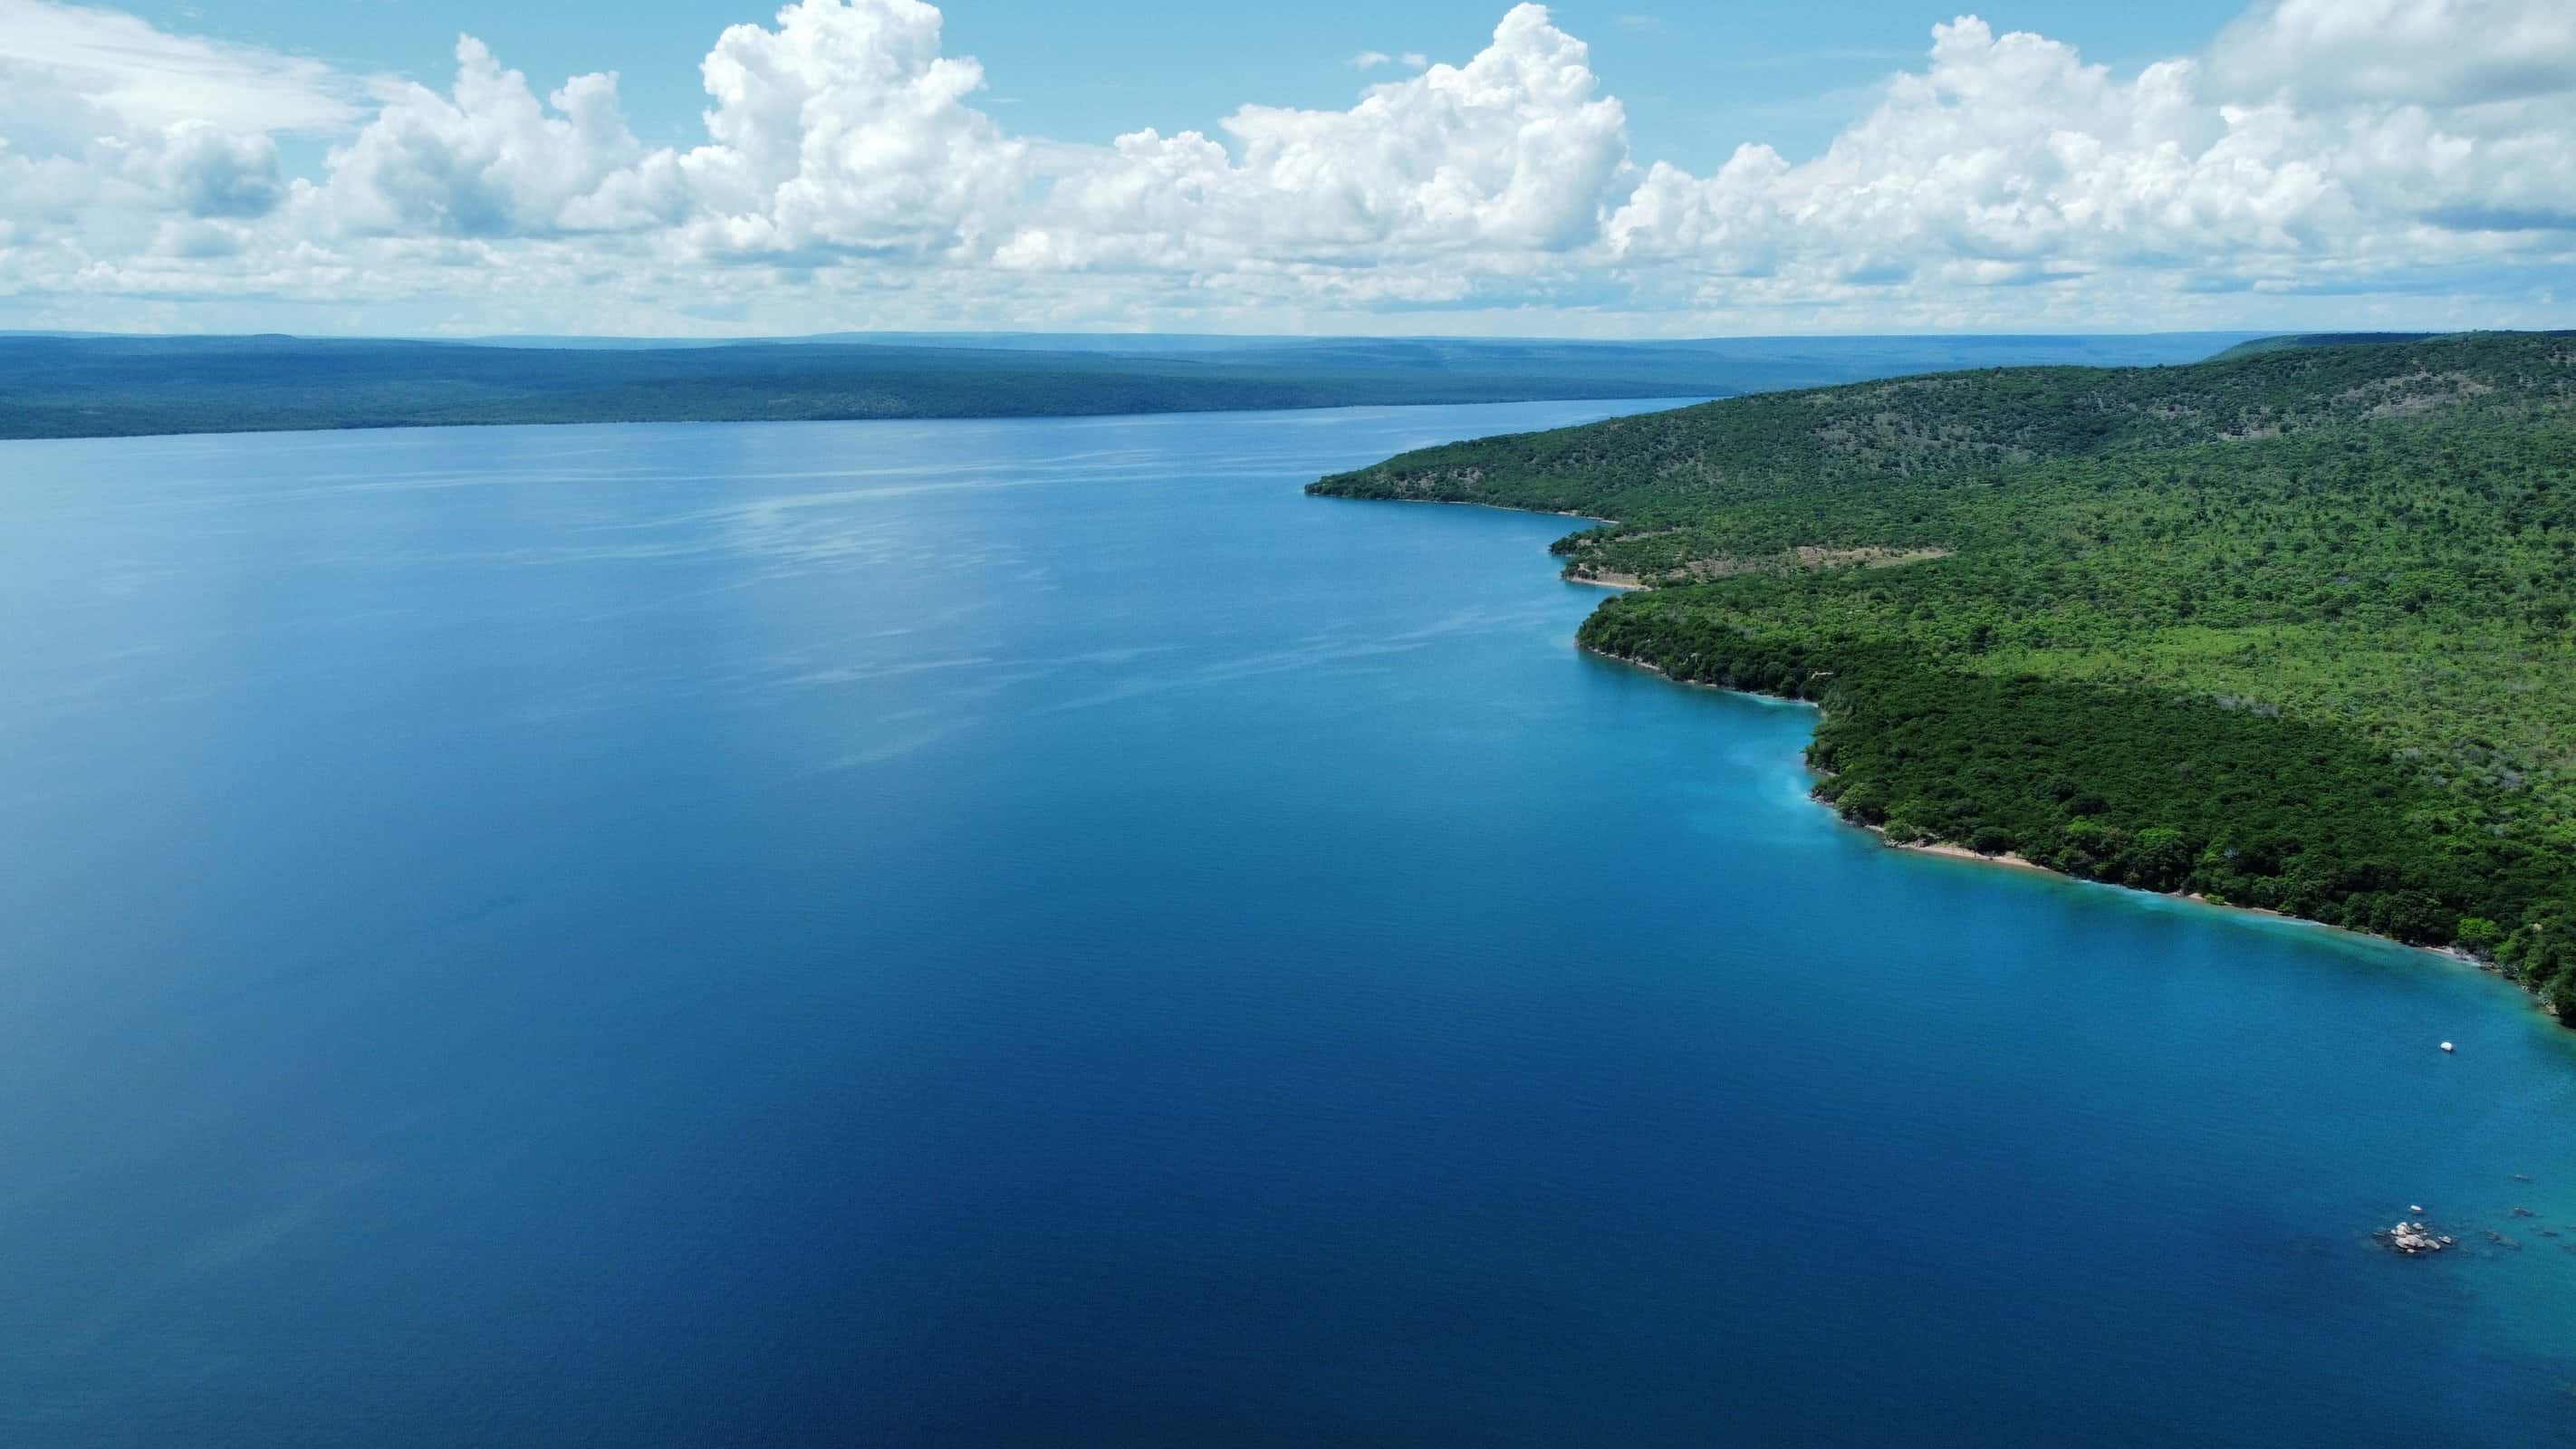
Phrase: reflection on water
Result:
[1030,932]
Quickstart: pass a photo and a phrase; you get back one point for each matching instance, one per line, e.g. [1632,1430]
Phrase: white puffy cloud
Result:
[2005,150]
[124,145]
[2431,52]
[843,129]
[211,172]
[2419,154]
[1510,158]
[489,159]
[1732,223]
[847,128]
[1517,147]
[2009,160]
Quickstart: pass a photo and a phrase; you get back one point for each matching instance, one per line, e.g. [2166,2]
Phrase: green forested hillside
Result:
[2325,339]
[2294,629]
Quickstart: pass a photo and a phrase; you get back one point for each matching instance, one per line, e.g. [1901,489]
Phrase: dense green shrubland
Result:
[2295,629]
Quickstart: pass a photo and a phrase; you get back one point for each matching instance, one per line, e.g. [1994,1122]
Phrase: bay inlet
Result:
[1028,932]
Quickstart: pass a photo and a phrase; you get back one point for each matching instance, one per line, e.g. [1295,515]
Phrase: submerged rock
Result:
[2413,1239]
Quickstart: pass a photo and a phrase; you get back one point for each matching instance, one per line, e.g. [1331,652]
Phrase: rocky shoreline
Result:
[1954,850]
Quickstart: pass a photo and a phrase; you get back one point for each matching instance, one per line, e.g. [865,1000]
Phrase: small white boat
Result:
[2446,1046]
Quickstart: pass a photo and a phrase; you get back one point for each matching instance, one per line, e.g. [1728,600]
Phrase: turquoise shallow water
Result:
[1035,932]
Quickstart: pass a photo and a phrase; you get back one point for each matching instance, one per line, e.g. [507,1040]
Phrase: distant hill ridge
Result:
[80,386]
[2293,628]
[2342,339]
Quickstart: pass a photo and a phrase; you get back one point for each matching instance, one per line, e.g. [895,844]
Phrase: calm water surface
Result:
[1036,933]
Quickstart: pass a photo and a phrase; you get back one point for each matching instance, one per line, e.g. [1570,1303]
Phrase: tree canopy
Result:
[2292,628]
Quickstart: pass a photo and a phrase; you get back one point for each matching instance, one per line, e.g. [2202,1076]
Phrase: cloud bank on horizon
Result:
[2359,163]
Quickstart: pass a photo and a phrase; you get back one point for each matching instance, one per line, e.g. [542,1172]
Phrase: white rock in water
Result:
[2414,1238]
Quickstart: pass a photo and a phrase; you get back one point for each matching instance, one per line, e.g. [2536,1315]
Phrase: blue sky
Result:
[1697,78]
[1614,169]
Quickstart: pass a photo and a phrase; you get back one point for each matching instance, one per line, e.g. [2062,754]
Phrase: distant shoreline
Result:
[263,428]
[113,385]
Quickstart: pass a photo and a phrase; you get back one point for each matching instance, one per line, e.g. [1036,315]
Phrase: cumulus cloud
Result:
[2005,149]
[1514,152]
[2427,52]
[488,159]
[2411,149]
[211,172]
[844,128]
[78,180]
[847,127]
[2008,159]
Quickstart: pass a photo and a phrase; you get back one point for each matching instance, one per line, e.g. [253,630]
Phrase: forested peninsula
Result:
[2293,628]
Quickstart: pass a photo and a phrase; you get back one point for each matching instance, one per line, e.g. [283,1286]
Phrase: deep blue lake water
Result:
[1037,933]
